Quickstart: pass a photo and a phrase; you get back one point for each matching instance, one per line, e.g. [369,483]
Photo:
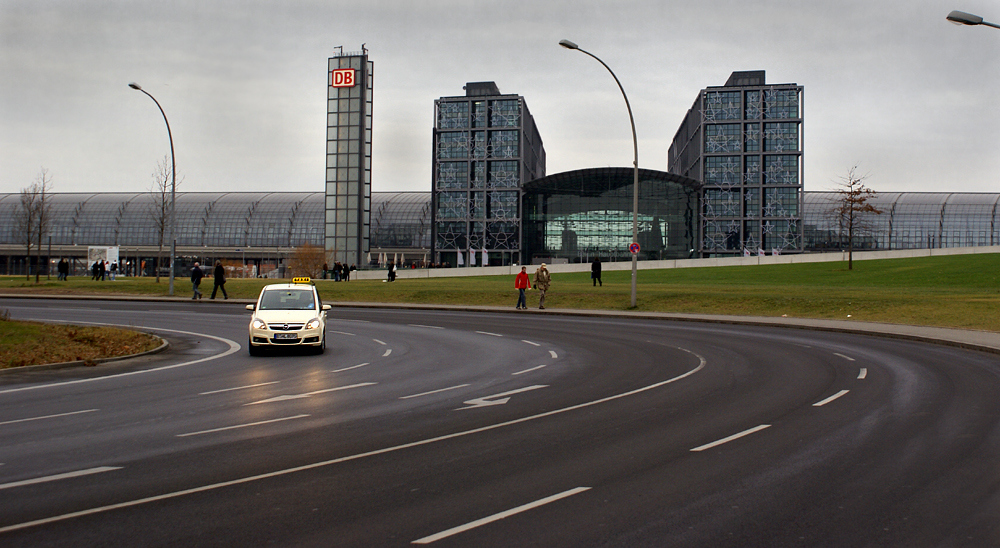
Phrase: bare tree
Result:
[852,209]
[308,261]
[159,209]
[33,219]
[24,223]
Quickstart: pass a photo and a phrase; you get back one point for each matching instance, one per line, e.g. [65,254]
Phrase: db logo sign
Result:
[342,78]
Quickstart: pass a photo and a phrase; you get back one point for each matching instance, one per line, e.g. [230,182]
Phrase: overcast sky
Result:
[889,85]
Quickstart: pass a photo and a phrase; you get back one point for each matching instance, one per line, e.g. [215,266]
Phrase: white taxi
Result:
[288,315]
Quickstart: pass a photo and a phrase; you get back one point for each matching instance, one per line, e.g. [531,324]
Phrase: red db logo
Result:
[342,78]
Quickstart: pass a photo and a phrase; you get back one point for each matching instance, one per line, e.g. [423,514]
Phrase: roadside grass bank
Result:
[961,291]
[32,343]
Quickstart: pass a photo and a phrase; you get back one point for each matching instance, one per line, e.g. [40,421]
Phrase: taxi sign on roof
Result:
[302,280]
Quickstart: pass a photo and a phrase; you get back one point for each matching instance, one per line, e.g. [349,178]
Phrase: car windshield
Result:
[288,299]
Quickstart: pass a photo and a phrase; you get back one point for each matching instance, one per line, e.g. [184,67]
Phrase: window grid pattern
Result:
[470,192]
[761,146]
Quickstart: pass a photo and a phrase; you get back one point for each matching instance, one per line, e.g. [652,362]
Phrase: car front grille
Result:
[286,326]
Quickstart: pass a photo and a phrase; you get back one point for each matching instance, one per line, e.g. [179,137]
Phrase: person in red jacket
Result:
[521,283]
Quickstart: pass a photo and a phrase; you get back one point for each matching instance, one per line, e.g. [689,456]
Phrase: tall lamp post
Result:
[173,191]
[962,18]
[635,162]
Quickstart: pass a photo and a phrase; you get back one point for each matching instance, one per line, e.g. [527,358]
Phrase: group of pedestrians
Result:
[543,278]
[218,275]
[522,283]
[341,272]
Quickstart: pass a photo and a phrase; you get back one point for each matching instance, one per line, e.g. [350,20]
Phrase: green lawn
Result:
[953,291]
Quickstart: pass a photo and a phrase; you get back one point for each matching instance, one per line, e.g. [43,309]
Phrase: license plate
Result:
[285,336]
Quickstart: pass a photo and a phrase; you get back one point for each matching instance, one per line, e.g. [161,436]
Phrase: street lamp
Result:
[962,18]
[635,163]
[173,191]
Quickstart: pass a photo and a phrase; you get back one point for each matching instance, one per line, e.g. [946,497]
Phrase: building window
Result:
[781,137]
[503,175]
[503,144]
[453,145]
[723,138]
[751,170]
[753,111]
[781,170]
[503,205]
[722,105]
[453,175]
[453,115]
[781,103]
[505,113]
[722,170]
[752,137]
[452,205]
[781,202]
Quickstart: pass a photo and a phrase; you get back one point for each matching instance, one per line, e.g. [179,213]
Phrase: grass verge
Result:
[948,291]
[32,343]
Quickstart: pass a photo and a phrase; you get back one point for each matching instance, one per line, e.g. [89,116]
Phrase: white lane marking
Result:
[434,391]
[487,401]
[830,399]
[349,368]
[308,394]
[731,438]
[343,333]
[49,416]
[238,388]
[425,326]
[499,516]
[843,356]
[863,373]
[322,464]
[387,352]
[490,334]
[554,355]
[378,341]
[233,347]
[57,477]
[531,343]
[529,370]
[224,428]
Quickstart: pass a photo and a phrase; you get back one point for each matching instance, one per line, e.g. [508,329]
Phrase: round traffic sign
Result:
[634,248]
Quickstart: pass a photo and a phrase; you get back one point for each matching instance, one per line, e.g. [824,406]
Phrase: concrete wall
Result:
[404,274]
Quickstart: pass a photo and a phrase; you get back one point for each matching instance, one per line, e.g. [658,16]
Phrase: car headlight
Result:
[312,324]
[258,324]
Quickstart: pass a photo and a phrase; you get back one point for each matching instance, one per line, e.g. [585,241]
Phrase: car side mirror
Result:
[250,307]
[326,307]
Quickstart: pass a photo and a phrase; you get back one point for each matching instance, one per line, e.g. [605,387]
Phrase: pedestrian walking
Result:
[196,276]
[219,274]
[63,268]
[521,283]
[114,270]
[542,279]
[595,271]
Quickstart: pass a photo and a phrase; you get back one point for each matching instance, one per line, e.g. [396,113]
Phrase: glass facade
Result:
[909,220]
[348,158]
[575,216]
[580,215]
[486,147]
[744,142]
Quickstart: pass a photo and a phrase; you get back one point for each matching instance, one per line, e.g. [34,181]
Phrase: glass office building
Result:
[743,140]
[348,157]
[485,147]
[577,216]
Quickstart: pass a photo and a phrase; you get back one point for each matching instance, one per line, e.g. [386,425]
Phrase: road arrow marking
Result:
[486,401]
